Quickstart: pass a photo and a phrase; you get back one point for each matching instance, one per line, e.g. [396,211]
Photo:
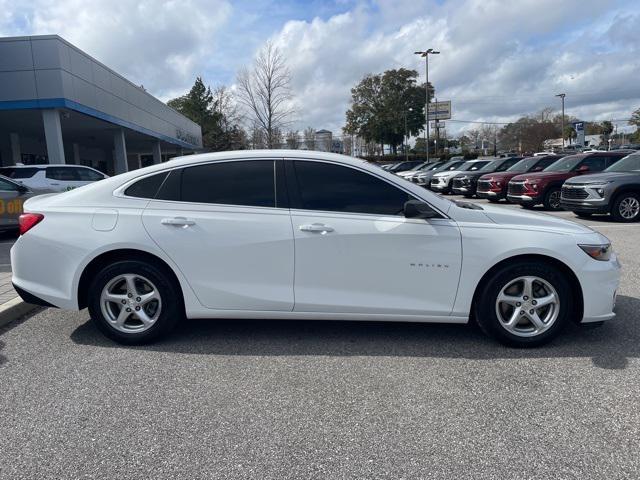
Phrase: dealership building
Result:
[60,105]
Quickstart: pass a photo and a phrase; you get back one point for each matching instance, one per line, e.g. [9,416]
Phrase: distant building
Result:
[323,141]
[589,141]
[60,105]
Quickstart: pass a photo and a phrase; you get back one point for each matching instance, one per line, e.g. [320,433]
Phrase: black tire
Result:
[616,207]
[485,304]
[493,200]
[527,206]
[552,199]
[583,214]
[172,303]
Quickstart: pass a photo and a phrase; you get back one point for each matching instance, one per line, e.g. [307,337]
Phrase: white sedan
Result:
[304,235]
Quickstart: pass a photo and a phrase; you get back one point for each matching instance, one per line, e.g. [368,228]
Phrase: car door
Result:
[355,252]
[228,229]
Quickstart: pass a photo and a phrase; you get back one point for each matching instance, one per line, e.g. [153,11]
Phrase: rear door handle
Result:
[316,227]
[178,221]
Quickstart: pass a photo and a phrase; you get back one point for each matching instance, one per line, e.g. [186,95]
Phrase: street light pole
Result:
[425,55]
[406,136]
[562,95]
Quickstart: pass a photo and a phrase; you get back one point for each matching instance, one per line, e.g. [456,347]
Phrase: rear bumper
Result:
[30,298]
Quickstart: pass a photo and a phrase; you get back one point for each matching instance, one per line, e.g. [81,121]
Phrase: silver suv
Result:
[616,191]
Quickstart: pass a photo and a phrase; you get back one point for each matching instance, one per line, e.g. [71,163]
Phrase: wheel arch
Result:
[563,267]
[111,256]
[632,187]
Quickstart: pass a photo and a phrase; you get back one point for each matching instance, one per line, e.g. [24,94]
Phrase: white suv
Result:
[52,178]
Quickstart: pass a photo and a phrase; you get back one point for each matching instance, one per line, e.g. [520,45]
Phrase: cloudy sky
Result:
[500,58]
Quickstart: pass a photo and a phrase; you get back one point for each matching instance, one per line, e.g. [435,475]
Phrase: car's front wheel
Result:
[552,199]
[134,302]
[626,207]
[524,304]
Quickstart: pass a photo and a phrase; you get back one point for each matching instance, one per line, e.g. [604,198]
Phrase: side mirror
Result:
[418,209]
[22,189]
[583,168]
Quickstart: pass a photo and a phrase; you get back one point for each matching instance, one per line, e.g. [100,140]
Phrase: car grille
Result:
[484,185]
[574,193]
[516,188]
[457,182]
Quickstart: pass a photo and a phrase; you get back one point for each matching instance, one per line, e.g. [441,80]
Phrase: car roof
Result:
[46,165]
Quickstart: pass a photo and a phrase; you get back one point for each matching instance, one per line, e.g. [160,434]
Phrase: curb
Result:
[15,309]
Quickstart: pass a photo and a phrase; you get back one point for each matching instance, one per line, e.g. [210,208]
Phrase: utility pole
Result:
[406,136]
[562,95]
[425,55]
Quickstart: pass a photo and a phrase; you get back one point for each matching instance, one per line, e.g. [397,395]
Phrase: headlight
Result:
[597,252]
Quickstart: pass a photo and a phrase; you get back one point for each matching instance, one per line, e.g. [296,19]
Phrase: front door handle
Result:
[178,221]
[316,227]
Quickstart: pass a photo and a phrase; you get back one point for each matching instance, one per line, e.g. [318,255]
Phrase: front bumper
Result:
[524,199]
[600,282]
[489,194]
[584,206]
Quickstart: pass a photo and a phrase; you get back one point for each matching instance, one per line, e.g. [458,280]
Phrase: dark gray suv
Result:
[616,191]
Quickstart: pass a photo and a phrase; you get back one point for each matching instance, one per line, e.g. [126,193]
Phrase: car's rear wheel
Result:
[524,304]
[626,207]
[552,199]
[134,302]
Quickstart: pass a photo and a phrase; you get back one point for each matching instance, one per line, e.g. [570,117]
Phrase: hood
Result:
[477,174]
[500,176]
[532,221]
[448,173]
[543,176]
[604,177]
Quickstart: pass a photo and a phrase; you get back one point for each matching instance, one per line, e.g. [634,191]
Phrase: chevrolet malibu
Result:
[304,235]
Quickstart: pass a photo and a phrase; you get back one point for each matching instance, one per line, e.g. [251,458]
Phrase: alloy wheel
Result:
[130,303]
[554,200]
[527,306]
[629,208]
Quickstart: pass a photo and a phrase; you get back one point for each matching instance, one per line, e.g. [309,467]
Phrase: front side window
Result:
[336,188]
[595,164]
[65,174]
[245,183]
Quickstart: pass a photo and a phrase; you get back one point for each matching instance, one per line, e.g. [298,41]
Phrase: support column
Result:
[157,153]
[53,136]
[76,154]
[16,154]
[120,152]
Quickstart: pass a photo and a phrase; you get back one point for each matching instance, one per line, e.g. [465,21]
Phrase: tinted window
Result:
[544,163]
[147,187]
[66,174]
[8,186]
[335,188]
[19,172]
[88,175]
[230,183]
[595,164]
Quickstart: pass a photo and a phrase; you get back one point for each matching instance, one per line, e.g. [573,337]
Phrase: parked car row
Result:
[601,182]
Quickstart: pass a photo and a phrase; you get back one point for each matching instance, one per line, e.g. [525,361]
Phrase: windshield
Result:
[565,164]
[524,165]
[450,165]
[472,166]
[627,164]
[491,166]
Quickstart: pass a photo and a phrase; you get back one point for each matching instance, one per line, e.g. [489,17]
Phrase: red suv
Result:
[544,187]
[493,186]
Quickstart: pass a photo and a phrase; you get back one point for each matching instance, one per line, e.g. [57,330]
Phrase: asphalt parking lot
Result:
[277,399]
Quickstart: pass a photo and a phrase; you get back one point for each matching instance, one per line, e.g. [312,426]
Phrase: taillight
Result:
[29,220]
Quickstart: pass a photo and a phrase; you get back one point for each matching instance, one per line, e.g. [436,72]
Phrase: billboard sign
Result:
[579,128]
[440,110]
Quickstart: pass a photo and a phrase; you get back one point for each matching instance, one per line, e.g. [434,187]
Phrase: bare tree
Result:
[309,138]
[257,139]
[293,139]
[265,91]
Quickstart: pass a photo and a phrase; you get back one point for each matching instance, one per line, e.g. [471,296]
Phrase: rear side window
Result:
[66,174]
[147,187]
[19,172]
[88,175]
[335,188]
[247,183]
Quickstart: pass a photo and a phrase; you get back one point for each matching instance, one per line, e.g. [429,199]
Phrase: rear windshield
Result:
[18,172]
